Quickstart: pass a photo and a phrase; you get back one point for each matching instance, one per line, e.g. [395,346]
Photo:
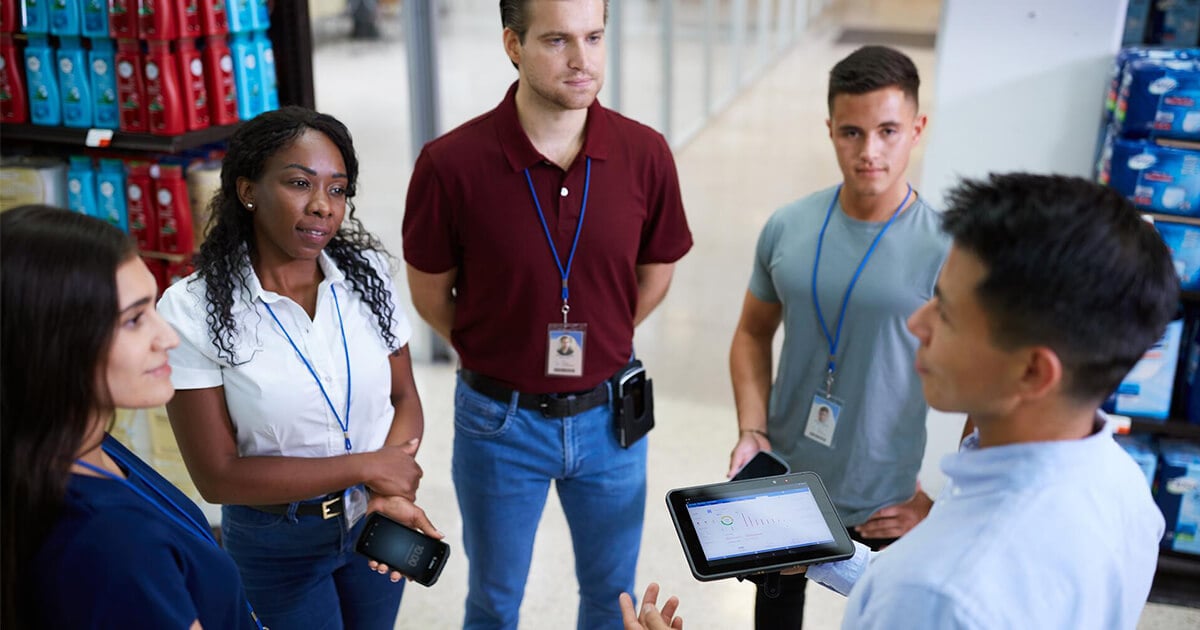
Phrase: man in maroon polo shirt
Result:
[547,217]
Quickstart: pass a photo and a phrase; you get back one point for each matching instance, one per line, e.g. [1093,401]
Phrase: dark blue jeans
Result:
[303,572]
[505,458]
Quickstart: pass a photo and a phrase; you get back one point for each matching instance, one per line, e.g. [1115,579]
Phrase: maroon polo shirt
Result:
[469,207]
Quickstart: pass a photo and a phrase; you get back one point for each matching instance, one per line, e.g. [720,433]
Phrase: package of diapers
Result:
[1153,177]
[1159,98]
[1146,391]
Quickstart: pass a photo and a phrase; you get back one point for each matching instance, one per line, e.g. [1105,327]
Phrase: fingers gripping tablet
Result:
[757,526]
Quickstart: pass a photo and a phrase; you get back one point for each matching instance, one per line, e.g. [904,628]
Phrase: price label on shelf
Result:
[98,138]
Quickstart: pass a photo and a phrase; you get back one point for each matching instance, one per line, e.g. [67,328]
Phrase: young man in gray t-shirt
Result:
[846,401]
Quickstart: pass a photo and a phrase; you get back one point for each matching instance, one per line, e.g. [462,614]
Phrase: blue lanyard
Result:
[564,273]
[837,336]
[191,524]
[345,425]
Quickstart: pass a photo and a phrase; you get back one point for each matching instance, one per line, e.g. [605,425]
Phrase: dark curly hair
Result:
[221,262]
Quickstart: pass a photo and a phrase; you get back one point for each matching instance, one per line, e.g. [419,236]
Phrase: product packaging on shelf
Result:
[123,19]
[26,180]
[10,18]
[81,186]
[131,87]
[213,19]
[1137,21]
[95,18]
[110,189]
[220,81]
[102,62]
[260,16]
[156,20]
[240,14]
[1176,23]
[64,17]
[1158,178]
[266,63]
[139,193]
[74,83]
[1146,391]
[193,91]
[1178,494]
[45,107]
[247,76]
[190,21]
[35,16]
[164,108]
[172,210]
[1184,242]
[14,103]
[1160,97]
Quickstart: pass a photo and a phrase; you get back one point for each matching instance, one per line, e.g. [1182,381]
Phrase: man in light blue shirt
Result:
[1053,289]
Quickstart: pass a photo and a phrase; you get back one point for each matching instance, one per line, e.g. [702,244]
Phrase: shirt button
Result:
[563,192]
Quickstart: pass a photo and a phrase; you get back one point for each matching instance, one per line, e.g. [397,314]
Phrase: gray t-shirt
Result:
[880,434]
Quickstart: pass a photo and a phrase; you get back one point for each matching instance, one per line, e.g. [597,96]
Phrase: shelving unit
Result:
[71,138]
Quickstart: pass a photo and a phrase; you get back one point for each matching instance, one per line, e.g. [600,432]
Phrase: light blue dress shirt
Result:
[1035,535]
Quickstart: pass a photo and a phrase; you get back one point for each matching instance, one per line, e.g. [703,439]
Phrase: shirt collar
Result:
[519,151]
[333,275]
[981,470]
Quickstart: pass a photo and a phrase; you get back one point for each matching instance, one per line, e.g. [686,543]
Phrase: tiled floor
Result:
[768,148]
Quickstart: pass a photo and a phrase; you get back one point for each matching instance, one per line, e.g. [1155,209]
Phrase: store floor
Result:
[768,148]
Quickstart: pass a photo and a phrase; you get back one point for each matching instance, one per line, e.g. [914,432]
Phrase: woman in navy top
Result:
[92,536]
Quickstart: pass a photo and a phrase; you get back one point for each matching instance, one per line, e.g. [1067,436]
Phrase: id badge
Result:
[822,419]
[354,505]
[564,350]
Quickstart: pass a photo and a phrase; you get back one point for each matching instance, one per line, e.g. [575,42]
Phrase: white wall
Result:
[1020,86]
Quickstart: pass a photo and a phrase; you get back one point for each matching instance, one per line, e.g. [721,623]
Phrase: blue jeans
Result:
[504,460]
[303,572]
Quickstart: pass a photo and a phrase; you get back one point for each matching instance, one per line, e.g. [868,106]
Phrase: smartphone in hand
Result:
[403,549]
[763,464]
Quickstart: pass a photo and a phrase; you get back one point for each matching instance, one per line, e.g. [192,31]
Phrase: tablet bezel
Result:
[841,548]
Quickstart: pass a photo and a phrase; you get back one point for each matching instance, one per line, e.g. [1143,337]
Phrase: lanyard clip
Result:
[829,379]
[565,309]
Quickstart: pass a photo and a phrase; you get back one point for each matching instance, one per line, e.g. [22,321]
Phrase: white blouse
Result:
[274,401]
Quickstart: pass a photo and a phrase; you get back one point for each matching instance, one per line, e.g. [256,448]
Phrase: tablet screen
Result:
[774,521]
[759,525]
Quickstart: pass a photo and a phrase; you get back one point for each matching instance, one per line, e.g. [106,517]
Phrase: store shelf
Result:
[1177,580]
[1173,218]
[79,138]
[1170,428]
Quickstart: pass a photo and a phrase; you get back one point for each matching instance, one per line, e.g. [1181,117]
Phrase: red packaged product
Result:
[187,13]
[10,21]
[213,20]
[173,211]
[164,108]
[14,108]
[131,86]
[156,20]
[218,73]
[139,193]
[123,19]
[193,91]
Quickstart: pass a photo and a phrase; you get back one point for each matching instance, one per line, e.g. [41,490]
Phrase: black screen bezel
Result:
[841,548]
[377,522]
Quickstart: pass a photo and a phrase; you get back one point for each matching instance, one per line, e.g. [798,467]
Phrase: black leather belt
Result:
[551,405]
[328,507]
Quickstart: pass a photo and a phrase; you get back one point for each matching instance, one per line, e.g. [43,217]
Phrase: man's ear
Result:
[512,46]
[1043,373]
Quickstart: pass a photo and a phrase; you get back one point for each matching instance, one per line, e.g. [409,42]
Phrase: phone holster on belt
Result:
[633,403]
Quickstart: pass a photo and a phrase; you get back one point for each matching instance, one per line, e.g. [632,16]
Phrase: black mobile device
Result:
[403,549]
[763,464]
[633,404]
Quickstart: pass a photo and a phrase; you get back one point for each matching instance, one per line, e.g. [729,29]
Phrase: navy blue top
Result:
[113,560]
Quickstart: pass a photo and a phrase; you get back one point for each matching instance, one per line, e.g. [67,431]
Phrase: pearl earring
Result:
[249,206]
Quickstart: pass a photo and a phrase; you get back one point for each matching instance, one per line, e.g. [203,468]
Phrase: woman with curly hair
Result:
[92,536]
[296,402]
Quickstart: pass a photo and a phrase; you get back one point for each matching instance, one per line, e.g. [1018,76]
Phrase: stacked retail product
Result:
[150,66]
[1162,22]
[1172,468]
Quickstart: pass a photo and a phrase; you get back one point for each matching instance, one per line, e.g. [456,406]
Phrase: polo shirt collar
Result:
[520,151]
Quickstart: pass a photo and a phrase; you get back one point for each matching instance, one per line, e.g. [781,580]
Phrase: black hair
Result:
[58,314]
[873,68]
[222,262]
[1072,266]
